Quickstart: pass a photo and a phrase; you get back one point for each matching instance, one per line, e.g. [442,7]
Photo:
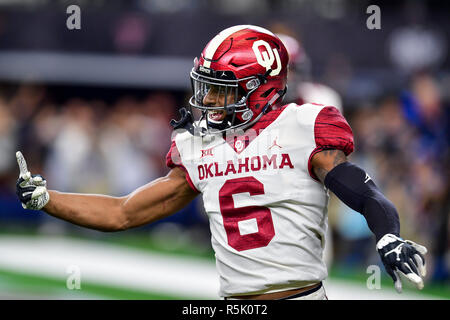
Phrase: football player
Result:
[263,170]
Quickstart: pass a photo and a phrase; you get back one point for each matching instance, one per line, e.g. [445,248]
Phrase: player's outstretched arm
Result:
[155,200]
[355,188]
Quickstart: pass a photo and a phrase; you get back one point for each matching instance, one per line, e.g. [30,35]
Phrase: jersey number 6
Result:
[232,216]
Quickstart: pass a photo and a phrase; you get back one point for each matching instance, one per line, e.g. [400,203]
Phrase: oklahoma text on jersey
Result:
[248,164]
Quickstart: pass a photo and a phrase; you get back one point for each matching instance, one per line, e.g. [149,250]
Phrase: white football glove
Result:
[31,189]
[402,257]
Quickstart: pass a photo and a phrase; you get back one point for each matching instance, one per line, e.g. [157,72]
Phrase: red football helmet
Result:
[246,62]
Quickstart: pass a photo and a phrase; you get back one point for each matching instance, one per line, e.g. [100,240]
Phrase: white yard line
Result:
[135,269]
[109,265]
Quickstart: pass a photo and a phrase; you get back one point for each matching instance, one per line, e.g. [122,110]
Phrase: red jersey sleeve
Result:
[331,131]
[173,159]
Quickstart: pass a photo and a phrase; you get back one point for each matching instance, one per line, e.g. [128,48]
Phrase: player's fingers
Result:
[407,272]
[28,189]
[38,180]
[397,282]
[31,193]
[26,177]
[25,193]
[420,262]
[417,252]
[22,166]
[21,183]
[422,249]
[39,191]
[412,265]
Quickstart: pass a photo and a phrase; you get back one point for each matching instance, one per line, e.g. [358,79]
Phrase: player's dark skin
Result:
[324,161]
[153,201]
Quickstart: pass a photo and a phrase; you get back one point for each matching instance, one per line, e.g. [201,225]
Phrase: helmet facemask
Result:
[222,85]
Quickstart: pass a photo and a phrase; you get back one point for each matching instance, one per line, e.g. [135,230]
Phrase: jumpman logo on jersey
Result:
[275,144]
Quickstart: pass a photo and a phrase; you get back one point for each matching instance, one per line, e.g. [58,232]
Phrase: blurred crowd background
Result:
[90,108]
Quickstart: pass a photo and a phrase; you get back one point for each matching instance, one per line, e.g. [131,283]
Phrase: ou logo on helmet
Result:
[267,58]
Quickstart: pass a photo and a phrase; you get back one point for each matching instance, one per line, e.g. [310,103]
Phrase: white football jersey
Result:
[267,210]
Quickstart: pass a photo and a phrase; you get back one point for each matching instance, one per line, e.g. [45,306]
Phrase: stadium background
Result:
[90,110]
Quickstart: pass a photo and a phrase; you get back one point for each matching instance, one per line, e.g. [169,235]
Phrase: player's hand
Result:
[402,258]
[31,189]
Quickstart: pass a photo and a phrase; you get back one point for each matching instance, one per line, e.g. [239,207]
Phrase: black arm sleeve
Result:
[355,188]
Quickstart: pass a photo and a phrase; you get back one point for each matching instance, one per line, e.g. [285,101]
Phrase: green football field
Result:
[139,267]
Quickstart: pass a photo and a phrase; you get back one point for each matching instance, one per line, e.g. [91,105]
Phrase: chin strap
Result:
[276,96]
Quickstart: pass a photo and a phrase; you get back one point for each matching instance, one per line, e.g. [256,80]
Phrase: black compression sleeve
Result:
[355,188]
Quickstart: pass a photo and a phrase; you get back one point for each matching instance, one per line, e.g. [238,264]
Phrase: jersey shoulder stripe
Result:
[331,131]
[173,159]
